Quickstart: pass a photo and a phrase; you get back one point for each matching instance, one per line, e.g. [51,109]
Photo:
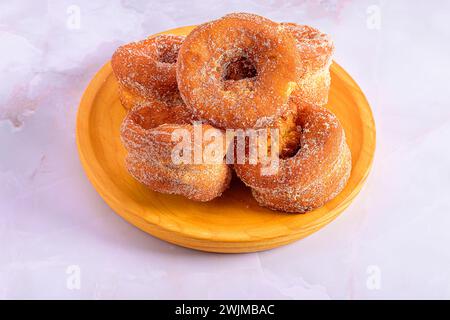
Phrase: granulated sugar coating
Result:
[317,173]
[148,67]
[242,71]
[150,162]
[315,49]
[145,71]
[203,71]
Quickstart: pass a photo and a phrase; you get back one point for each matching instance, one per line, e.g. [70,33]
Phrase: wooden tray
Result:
[233,223]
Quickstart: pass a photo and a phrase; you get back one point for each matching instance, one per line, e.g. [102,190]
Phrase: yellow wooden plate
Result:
[234,222]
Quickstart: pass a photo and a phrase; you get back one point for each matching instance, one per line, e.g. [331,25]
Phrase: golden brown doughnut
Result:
[145,71]
[238,71]
[315,50]
[310,178]
[150,161]
[147,68]
[139,120]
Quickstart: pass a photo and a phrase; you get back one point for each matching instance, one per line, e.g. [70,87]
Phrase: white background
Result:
[392,242]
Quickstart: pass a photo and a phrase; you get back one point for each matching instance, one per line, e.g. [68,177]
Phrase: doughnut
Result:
[150,160]
[315,49]
[238,71]
[148,67]
[145,72]
[142,118]
[314,175]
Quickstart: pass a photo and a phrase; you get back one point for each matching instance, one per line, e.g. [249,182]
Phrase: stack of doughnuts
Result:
[240,72]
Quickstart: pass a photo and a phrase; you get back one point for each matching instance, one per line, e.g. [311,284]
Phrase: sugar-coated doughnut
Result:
[315,50]
[314,175]
[143,117]
[145,72]
[238,71]
[150,159]
[147,68]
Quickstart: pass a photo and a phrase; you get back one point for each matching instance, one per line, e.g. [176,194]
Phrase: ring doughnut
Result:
[314,175]
[147,68]
[150,162]
[237,71]
[146,74]
[315,50]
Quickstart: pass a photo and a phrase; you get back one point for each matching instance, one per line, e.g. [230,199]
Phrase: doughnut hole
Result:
[239,68]
[289,138]
[143,118]
[237,72]
[168,54]
[290,134]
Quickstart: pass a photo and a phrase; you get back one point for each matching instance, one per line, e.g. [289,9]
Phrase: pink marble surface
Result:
[58,239]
